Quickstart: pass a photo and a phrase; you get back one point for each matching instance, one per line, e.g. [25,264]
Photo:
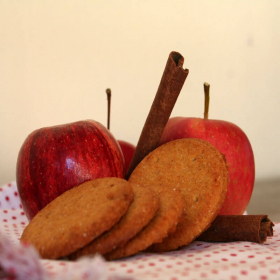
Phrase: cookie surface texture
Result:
[164,222]
[199,171]
[78,216]
[140,212]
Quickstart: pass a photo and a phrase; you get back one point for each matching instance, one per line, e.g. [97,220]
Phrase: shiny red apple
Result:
[55,159]
[230,140]
[127,148]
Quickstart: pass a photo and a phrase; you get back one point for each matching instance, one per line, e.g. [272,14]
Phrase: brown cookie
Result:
[140,212]
[164,222]
[195,168]
[78,216]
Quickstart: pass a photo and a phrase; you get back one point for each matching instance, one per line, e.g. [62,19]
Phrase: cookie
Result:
[78,216]
[199,171]
[164,222]
[140,212]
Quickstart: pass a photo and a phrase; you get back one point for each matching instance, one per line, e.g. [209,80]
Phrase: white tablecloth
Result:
[199,260]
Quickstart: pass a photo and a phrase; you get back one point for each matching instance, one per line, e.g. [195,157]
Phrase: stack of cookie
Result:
[171,197]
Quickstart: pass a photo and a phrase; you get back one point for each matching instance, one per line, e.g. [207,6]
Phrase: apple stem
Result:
[206,100]
[108,91]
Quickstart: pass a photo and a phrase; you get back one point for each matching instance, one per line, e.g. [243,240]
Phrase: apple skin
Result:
[128,150]
[55,159]
[231,141]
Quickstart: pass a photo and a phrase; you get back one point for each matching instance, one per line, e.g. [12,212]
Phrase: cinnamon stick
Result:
[168,91]
[226,228]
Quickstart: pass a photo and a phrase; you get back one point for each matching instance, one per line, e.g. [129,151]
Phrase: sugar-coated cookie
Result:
[199,171]
[164,222]
[140,212]
[78,216]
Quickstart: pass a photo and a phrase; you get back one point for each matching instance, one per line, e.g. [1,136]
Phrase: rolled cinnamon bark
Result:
[226,228]
[169,88]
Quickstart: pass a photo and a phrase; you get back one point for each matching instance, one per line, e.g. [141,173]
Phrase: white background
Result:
[58,57]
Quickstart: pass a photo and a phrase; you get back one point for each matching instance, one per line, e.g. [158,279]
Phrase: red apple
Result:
[128,151]
[127,148]
[55,159]
[230,140]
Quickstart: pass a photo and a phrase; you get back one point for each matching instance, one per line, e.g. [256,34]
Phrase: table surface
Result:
[266,199]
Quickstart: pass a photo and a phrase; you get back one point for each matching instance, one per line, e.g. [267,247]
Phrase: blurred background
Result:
[58,57]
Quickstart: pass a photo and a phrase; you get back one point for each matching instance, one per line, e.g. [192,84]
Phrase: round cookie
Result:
[164,222]
[78,216]
[195,168]
[140,212]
